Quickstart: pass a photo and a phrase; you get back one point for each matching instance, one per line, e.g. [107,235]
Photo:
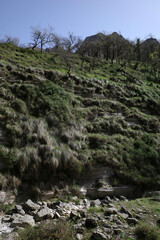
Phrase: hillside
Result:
[59,128]
[67,126]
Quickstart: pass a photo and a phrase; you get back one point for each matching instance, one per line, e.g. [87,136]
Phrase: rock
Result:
[116,199]
[123,215]
[79,236]
[110,205]
[98,236]
[124,210]
[117,231]
[95,203]
[90,223]
[86,202]
[74,198]
[31,206]
[15,216]
[138,217]
[108,199]
[60,210]
[83,213]
[111,211]
[74,215]
[6,218]
[44,213]
[78,228]
[3,196]
[118,222]
[123,198]
[23,221]
[57,215]
[132,221]
[19,209]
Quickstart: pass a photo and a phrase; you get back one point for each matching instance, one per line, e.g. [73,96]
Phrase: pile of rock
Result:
[105,223]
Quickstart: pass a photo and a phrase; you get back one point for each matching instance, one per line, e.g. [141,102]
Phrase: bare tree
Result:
[41,37]
[12,40]
[72,43]
[83,52]
[68,47]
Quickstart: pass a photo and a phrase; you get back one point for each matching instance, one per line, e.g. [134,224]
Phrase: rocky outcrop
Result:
[102,225]
[127,191]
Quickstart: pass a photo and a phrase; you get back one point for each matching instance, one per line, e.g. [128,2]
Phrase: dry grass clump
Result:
[59,230]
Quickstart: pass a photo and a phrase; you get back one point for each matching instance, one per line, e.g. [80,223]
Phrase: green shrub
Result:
[60,230]
[146,231]
[8,157]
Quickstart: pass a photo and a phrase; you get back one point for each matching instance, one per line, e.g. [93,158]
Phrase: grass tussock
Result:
[146,231]
[60,230]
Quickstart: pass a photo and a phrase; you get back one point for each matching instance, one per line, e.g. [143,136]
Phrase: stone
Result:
[79,236]
[132,221]
[74,215]
[86,202]
[95,203]
[19,209]
[57,215]
[111,211]
[90,223]
[98,236]
[138,217]
[108,199]
[118,222]
[124,210]
[60,210]
[79,228]
[44,213]
[6,218]
[123,198]
[110,205]
[117,231]
[3,196]
[83,213]
[116,199]
[123,215]
[23,221]
[31,206]
[74,198]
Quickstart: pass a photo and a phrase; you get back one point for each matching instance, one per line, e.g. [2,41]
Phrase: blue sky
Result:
[133,18]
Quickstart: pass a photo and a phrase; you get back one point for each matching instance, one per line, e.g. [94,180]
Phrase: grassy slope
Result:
[59,126]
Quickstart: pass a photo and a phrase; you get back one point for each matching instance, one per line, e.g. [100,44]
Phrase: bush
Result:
[60,230]
[146,231]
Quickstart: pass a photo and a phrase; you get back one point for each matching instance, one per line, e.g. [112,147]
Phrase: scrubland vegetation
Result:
[63,113]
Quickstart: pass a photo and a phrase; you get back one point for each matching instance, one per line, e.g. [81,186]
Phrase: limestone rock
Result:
[90,223]
[111,211]
[74,215]
[44,213]
[79,236]
[31,206]
[3,196]
[86,202]
[124,210]
[96,203]
[6,218]
[98,236]
[19,210]
[23,221]
[132,221]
